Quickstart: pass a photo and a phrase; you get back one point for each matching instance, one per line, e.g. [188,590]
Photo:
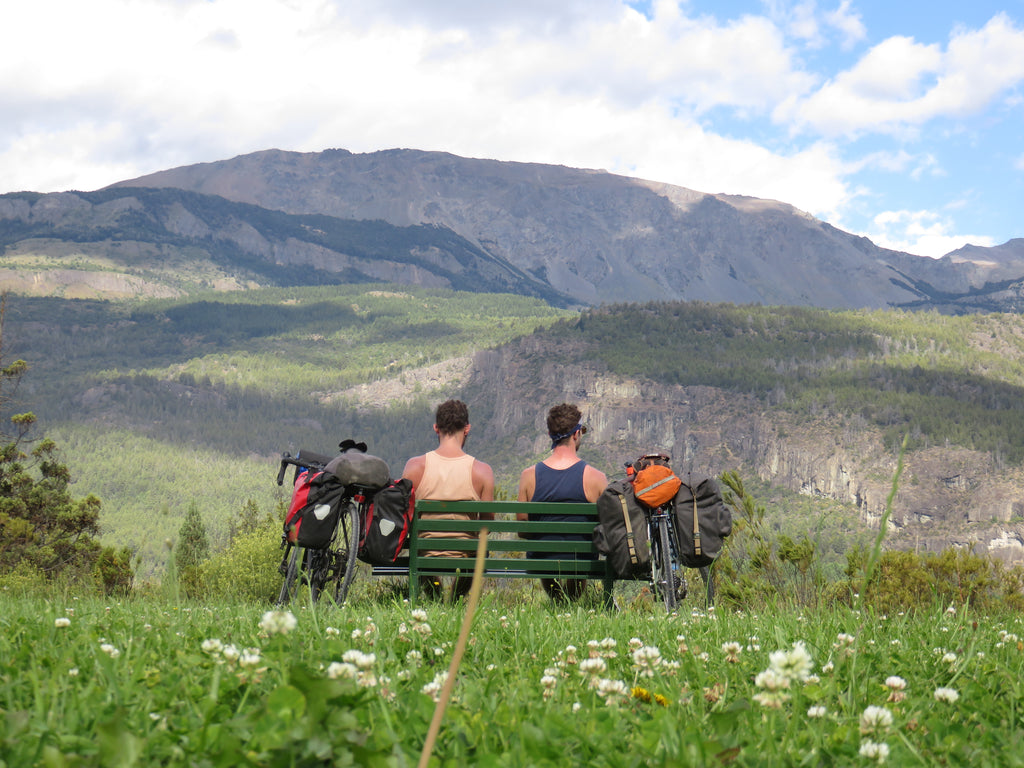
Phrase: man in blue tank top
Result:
[562,476]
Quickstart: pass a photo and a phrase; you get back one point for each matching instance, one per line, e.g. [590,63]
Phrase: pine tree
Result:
[47,534]
[192,551]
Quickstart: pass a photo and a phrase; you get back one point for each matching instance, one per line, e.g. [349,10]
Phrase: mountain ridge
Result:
[599,237]
[571,236]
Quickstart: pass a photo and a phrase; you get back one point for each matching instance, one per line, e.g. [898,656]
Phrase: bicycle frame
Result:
[667,577]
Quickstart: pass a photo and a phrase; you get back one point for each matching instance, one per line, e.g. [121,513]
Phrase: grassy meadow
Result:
[153,680]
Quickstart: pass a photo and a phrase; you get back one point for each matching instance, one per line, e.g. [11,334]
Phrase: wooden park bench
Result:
[506,547]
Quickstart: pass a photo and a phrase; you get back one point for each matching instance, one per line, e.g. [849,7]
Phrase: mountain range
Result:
[572,237]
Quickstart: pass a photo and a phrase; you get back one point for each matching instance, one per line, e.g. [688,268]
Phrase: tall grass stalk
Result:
[876,550]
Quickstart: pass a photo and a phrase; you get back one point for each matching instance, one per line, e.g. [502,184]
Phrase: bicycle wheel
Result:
[665,579]
[345,553]
[318,571]
[291,578]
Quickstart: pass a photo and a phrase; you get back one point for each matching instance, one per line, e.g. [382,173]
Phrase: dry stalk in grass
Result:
[460,648]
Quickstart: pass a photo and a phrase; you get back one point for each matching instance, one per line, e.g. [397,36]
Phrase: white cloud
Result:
[901,83]
[848,23]
[924,233]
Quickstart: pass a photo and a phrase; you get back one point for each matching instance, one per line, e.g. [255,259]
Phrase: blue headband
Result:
[556,439]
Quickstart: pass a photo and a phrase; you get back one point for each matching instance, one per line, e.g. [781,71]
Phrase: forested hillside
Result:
[939,379]
[159,404]
[163,403]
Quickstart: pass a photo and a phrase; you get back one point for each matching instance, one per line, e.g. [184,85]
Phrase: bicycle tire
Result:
[291,577]
[664,575]
[318,571]
[345,555]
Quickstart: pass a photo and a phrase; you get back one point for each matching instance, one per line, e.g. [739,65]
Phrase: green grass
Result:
[129,683]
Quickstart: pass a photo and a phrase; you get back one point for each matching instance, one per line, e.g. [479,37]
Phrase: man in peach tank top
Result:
[448,473]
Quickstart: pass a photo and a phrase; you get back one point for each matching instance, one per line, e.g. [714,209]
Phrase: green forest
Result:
[158,405]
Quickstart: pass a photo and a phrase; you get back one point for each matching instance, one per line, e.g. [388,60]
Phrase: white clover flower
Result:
[877,751]
[576,706]
[250,657]
[771,699]
[62,621]
[73,672]
[646,658]
[231,654]
[212,646]
[422,628]
[548,682]
[359,659]
[771,680]
[634,643]
[332,632]
[611,688]
[338,669]
[949,657]
[608,644]
[278,622]
[817,711]
[947,695]
[418,615]
[110,650]
[732,651]
[875,720]
[895,683]
[433,688]
[794,664]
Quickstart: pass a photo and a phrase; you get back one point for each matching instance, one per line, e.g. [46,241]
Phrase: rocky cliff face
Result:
[945,496]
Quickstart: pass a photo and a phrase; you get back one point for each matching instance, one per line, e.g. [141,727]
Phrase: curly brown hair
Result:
[563,419]
[452,416]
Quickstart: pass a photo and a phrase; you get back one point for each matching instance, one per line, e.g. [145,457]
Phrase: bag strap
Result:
[696,529]
[630,536]
[660,482]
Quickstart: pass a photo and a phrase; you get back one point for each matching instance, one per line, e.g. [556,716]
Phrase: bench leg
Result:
[608,587]
[414,581]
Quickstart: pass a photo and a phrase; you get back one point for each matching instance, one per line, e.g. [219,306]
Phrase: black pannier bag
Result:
[621,532]
[387,523]
[314,510]
[703,522]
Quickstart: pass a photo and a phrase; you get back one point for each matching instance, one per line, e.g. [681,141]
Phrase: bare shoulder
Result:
[414,469]
[483,468]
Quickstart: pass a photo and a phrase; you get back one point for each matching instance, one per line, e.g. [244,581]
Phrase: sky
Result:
[899,121]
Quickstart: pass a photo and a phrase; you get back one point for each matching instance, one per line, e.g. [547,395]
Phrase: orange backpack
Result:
[654,482]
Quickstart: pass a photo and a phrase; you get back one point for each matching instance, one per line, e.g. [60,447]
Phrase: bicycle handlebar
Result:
[304,459]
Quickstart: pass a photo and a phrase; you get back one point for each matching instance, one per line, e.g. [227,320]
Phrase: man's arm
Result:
[483,483]
[594,483]
[527,481]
